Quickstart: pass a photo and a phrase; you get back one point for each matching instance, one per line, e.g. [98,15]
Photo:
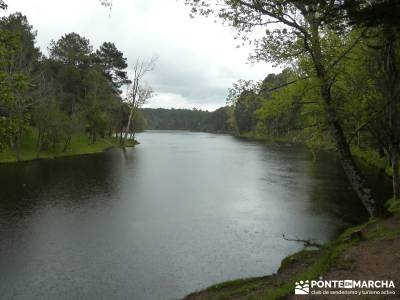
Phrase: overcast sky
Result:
[198,59]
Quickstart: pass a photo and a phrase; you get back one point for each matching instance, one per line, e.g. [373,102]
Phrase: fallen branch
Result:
[307,243]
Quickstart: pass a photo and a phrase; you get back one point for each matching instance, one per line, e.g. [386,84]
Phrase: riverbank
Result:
[363,155]
[79,146]
[365,252]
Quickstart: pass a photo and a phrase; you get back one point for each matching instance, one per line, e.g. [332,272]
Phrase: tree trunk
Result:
[121,135]
[394,153]
[353,173]
[94,137]
[67,142]
[390,68]
[17,145]
[128,127]
[350,168]
[18,138]
[39,139]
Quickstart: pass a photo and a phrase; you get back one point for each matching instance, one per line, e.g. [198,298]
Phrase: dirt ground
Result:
[375,258]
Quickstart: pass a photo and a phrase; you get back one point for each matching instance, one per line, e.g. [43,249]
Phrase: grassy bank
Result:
[365,155]
[346,257]
[294,137]
[79,146]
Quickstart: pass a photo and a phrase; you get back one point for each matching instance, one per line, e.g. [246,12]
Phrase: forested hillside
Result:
[185,119]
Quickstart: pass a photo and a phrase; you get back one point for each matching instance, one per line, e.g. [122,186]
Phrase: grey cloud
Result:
[198,59]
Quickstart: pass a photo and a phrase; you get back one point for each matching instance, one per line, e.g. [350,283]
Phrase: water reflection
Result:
[178,213]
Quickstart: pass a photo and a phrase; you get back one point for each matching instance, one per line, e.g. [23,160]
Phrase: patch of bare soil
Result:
[375,257]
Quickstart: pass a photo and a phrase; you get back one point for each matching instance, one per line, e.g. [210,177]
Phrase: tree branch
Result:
[283,85]
[307,243]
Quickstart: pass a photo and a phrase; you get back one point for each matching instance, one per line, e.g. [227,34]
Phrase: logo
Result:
[345,287]
[302,288]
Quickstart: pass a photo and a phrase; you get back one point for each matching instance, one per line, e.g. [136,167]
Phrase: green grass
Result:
[79,145]
[247,288]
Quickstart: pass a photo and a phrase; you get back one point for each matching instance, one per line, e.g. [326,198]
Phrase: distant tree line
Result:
[184,119]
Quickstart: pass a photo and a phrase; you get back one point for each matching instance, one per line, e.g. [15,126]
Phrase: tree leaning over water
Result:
[299,30]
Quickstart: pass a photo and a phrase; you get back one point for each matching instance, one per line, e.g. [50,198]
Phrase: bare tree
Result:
[138,95]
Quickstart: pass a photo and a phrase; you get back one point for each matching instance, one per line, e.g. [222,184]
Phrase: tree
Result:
[302,30]
[72,91]
[99,104]
[380,18]
[72,55]
[19,61]
[243,97]
[47,116]
[137,96]
[71,49]
[71,58]
[376,76]
[373,13]
[113,64]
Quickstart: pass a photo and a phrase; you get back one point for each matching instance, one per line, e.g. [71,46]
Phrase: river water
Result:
[178,213]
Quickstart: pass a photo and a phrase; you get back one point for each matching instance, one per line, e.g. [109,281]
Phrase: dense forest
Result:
[47,102]
[184,119]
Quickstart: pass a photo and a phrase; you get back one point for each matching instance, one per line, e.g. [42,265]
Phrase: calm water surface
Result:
[174,215]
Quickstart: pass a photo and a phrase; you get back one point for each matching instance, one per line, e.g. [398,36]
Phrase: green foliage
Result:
[393,205]
[79,145]
[71,49]
[96,122]
[73,91]
[373,13]
[113,64]
[244,111]
[186,119]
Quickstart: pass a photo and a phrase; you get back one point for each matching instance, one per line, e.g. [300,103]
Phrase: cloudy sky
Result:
[198,59]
